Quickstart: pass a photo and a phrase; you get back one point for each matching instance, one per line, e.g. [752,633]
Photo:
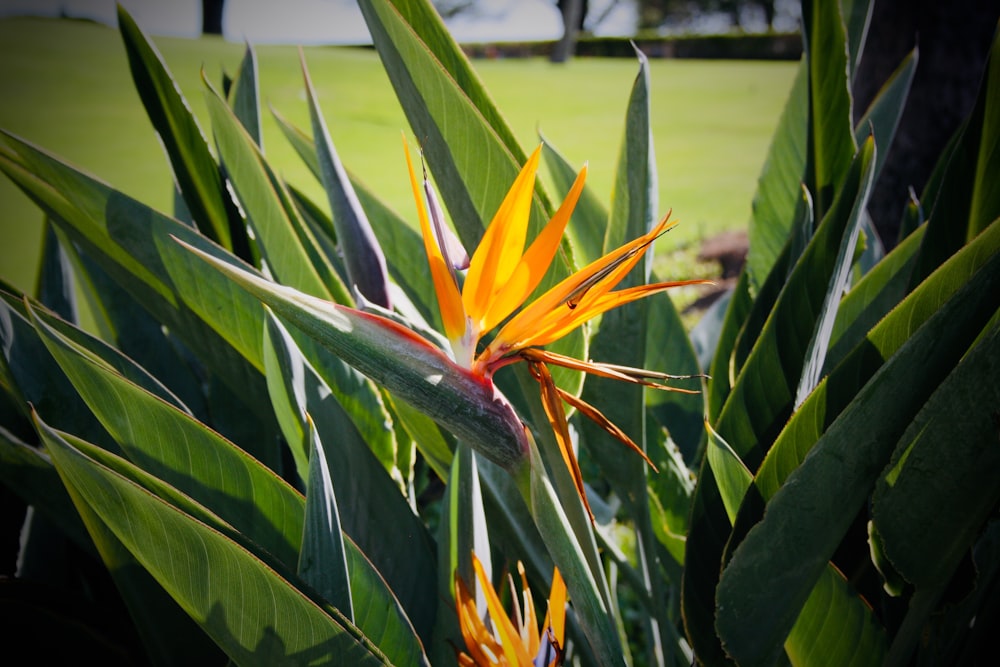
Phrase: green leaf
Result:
[123,236]
[831,132]
[779,183]
[670,494]
[56,284]
[322,561]
[819,343]
[358,477]
[932,501]
[779,562]
[836,627]
[35,381]
[966,201]
[590,217]
[762,396]
[586,587]
[426,23]
[198,461]
[285,243]
[873,296]
[244,97]
[194,167]
[210,575]
[883,114]
[731,475]
[366,266]
[28,472]
[669,350]
[720,384]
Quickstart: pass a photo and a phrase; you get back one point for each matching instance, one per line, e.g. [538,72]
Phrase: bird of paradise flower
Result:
[502,274]
[516,641]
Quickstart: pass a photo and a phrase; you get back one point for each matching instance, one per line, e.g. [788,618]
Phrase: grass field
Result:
[66,86]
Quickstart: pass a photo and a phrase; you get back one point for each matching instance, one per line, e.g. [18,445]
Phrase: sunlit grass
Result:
[66,86]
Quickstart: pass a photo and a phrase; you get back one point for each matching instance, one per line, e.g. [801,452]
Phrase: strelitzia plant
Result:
[285,438]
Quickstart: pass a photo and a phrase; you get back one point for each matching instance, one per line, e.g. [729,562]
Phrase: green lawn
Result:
[66,86]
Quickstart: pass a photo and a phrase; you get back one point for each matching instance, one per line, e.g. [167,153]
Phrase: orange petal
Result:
[555,618]
[557,418]
[555,327]
[500,249]
[449,299]
[474,631]
[536,260]
[510,641]
[551,316]
[610,371]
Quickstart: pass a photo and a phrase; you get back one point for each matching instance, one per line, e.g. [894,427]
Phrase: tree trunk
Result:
[573,13]
[953,40]
[211,16]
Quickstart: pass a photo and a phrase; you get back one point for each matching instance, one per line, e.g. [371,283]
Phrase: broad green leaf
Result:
[137,334]
[462,531]
[216,580]
[286,244]
[28,472]
[35,381]
[720,384]
[831,132]
[109,356]
[873,296]
[779,183]
[56,284]
[171,445]
[244,97]
[759,404]
[359,478]
[587,589]
[819,343]
[669,350]
[590,217]
[836,627]
[883,114]
[933,500]
[856,16]
[120,234]
[322,560]
[836,391]
[366,267]
[472,183]
[194,167]
[670,494]
[731,474]
[766,293]
[779,562]
[157,617]
[427,25]
[762,396]
[966,200]
[623,338]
